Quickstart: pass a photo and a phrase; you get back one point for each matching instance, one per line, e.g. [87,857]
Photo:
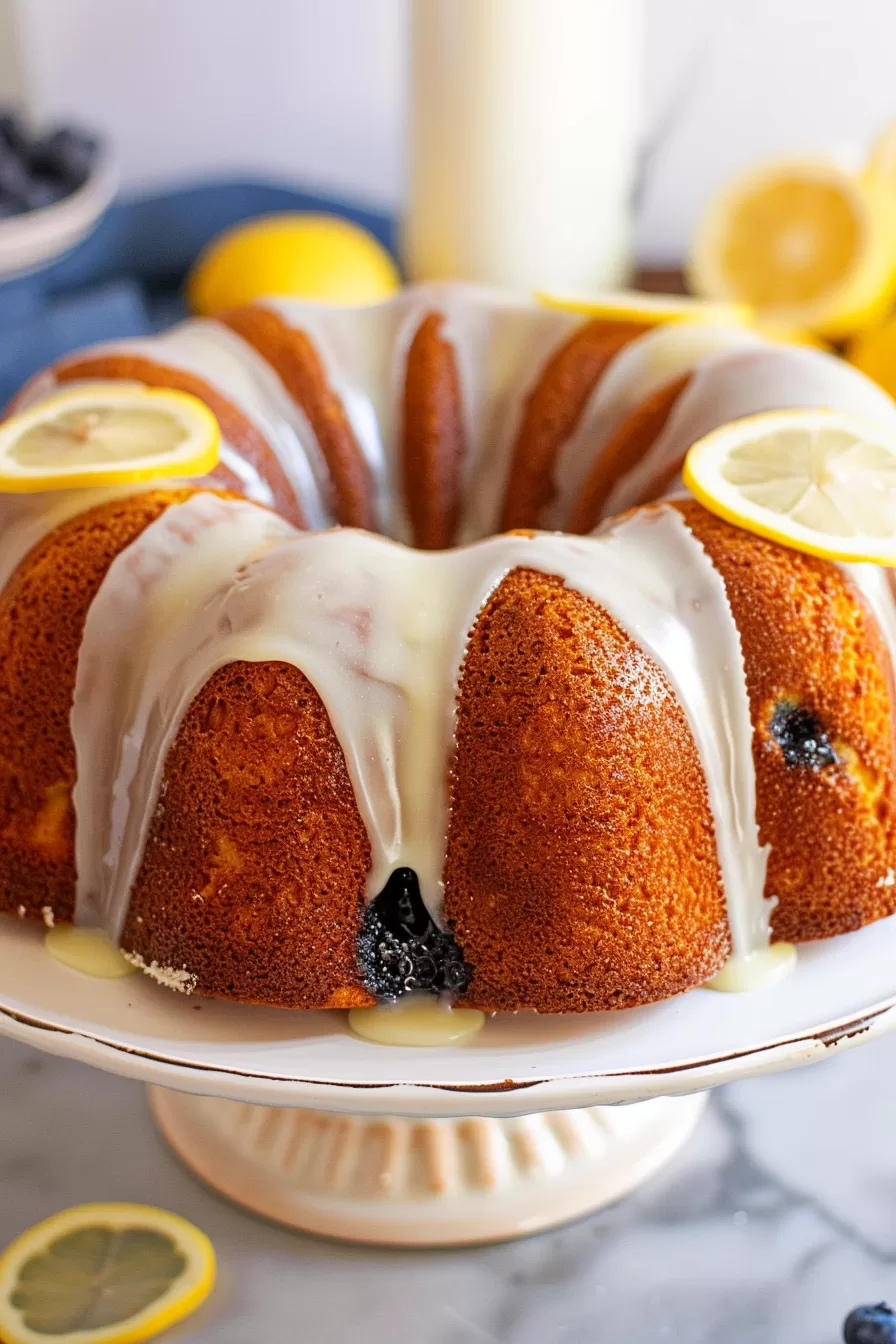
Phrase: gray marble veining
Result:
[778,1217]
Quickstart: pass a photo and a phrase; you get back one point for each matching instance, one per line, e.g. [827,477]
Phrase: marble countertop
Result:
[778,1217]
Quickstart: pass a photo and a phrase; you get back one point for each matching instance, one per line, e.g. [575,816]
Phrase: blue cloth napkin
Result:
[126,278]
[105,313]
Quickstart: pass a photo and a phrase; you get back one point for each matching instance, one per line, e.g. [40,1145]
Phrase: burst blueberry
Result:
[401,949]
[802,739]
[870,1325]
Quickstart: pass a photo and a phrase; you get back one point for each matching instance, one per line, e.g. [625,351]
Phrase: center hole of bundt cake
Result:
[401,949]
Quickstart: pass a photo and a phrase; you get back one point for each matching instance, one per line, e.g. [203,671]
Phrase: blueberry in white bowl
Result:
[54,187]
[36,171]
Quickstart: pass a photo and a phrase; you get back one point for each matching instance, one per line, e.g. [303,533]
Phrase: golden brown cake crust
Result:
[293,356]
[809,640]
[433,445]
[254,872]
[581,870]
[42,613]
[552,411]
[236,427]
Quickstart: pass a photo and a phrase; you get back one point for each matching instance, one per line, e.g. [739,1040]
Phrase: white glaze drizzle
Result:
[354,345]
[641,368]
[26,519]
[154,588]
[380,631]
[729,386]
[500,346]
[219,584]
[875,583]
[234,369]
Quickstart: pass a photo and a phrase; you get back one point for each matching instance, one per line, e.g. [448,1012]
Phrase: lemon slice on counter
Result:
[804,242]
[107,434]
[652,310]
[817,481]
[103,1274]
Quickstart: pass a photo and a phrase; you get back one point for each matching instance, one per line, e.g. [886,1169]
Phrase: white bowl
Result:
[38,237]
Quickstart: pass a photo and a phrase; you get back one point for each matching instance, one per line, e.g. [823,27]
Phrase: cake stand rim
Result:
[509,1097]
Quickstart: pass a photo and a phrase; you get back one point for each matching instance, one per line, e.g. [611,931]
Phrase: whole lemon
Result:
[299,256]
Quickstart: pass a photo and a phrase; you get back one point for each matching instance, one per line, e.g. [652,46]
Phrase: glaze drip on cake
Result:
[570,739]
[380,632]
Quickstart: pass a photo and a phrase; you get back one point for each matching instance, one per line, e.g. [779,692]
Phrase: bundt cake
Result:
[299,764]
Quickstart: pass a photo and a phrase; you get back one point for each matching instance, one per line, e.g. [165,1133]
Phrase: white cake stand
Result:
[519,1129]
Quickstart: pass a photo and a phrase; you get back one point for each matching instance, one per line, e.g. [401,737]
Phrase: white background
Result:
[313,90]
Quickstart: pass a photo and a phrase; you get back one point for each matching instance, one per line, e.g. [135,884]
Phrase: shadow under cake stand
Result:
[521,1128]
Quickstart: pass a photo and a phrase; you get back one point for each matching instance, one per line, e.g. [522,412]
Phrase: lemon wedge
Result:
[816,481]
[320,257]
[652,310]
[107,434]
[807,244]
[103,1274]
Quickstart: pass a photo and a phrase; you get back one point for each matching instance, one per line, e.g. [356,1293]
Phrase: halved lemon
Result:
[107,434]
[807,244]
[882,158]
[652,310]
[817,481]
[792,336]
[103,1274]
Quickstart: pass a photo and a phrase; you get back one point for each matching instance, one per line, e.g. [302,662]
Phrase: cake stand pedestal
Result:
[402,1181]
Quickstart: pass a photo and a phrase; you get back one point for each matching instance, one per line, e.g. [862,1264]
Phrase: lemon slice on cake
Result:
[817,481]
[107,434]
[652,310]
[807,244]
[103,1274]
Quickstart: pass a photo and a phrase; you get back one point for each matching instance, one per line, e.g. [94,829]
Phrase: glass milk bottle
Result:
[523,124]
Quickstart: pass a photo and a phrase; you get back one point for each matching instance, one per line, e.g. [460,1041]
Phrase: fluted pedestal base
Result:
[401,1181]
